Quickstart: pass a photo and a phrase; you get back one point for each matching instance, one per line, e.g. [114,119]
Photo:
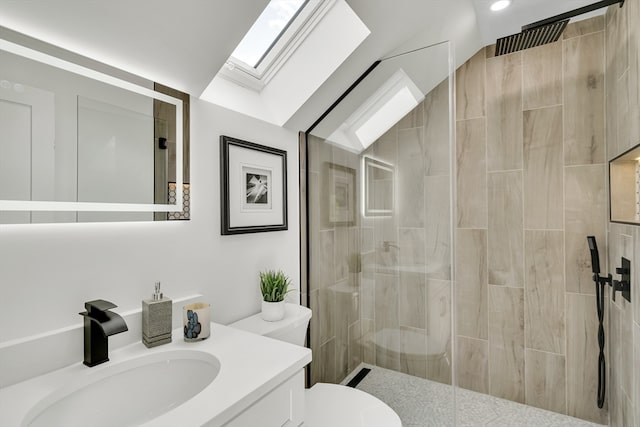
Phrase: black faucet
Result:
[99,323]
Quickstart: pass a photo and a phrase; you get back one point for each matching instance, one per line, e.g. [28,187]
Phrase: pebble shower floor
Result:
[424,403]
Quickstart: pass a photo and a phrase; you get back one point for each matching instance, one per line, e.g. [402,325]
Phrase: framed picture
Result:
[340,188]
[253,191]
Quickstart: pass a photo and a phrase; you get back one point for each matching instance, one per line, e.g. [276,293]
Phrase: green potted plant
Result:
[274,286]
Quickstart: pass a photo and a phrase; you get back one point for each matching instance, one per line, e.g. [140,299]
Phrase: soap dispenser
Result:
[156,319]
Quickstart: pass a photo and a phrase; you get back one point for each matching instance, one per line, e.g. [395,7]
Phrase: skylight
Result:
[266,31]
[273,91]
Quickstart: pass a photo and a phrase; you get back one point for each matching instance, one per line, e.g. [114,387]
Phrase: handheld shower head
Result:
[595,256]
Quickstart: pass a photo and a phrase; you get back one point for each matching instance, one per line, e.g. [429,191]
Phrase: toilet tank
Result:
[291,329]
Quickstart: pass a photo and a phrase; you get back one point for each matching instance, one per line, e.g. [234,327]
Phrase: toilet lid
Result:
[332,405]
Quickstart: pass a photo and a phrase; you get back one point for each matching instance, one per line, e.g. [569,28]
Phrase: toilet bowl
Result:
[326,405]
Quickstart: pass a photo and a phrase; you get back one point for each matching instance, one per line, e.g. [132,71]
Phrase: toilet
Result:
[326,405]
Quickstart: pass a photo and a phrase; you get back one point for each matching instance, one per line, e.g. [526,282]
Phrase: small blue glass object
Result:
[193,328]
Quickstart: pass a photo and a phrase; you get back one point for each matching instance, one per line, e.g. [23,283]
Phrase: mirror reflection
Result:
[378,188]
[101,148]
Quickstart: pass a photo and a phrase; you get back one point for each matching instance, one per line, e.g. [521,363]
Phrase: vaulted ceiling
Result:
[184,44]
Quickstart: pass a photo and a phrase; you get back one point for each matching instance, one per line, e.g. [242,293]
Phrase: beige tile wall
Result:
[622,126]
[531,186]
[545,380]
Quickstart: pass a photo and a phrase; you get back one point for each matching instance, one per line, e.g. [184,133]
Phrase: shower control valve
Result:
[621,270]
[617,287]
[623,285]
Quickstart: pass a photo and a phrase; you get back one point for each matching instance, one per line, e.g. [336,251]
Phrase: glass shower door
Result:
[380,240]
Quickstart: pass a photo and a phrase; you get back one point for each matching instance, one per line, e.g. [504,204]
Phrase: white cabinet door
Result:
[282,407]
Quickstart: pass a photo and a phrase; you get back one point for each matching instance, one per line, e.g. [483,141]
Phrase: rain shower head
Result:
[531,38]
[545,31]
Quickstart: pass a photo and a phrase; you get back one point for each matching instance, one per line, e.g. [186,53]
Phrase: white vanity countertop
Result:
[250,366]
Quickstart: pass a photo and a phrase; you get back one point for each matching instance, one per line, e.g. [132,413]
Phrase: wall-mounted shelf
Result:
[624,187]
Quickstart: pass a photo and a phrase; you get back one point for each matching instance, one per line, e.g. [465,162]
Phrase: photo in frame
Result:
[340,188]
[253,191]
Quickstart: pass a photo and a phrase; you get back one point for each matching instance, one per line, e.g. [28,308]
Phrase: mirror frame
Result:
[58,206]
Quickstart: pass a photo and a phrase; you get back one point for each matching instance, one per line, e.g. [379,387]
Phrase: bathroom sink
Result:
[209,382]
[127,393]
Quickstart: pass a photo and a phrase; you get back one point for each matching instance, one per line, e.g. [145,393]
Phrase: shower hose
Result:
[601,363]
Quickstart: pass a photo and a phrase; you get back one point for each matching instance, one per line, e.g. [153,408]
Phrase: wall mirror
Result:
[80,145]
[378,188]
[624,182]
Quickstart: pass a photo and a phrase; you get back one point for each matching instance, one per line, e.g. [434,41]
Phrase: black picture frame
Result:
[253,187]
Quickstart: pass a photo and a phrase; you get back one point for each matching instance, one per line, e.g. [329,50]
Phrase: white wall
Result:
[47,271]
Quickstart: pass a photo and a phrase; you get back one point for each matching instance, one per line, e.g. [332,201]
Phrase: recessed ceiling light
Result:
[500,4]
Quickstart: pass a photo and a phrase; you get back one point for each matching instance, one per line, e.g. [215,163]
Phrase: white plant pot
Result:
[272,311]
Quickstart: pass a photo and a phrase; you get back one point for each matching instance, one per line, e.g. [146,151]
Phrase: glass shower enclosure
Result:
[378,171]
